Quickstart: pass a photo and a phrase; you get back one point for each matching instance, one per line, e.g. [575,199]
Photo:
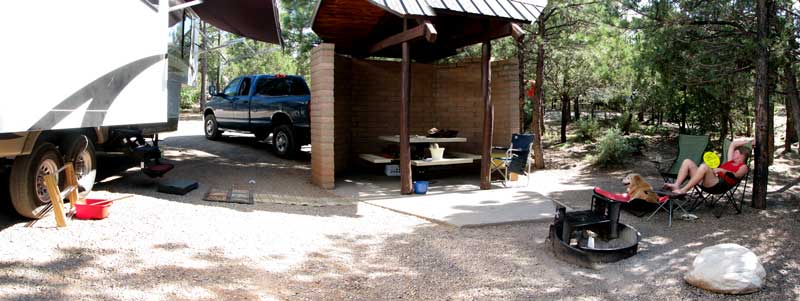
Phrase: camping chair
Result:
[666,201]
[516,158]
[711,197]
[689,147]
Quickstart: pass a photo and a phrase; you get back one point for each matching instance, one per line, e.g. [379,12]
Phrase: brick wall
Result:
[367,104]
[322,116]
[442,96]
[342,93]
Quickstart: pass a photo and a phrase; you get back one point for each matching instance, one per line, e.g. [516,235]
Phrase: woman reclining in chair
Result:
[714,180]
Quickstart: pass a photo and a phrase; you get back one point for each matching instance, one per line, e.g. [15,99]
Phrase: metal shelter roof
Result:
[356,25]
[517,10]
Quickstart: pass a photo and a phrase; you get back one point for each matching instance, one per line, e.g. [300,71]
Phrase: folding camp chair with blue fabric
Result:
[516,158]
[712,196]
[689,147]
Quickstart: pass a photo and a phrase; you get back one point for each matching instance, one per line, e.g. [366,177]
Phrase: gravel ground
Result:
[157,246]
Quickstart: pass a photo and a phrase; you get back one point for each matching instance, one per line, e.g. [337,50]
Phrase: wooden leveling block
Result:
[56,195]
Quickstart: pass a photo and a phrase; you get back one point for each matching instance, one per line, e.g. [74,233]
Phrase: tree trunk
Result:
[564,115]
[203,68]
[726,115]
[538,115]
[577,108]
[792,96]
[791,125]
[521,64]
[761,171]
[682,129]
[541,113]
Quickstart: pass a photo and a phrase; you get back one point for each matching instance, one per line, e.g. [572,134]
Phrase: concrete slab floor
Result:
[455,201]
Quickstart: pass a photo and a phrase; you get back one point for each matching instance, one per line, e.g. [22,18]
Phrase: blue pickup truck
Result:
[263,104]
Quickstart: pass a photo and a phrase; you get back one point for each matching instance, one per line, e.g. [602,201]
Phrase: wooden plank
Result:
[55,198]
[430,31]
[461,155]
[72,180]
[374,158]
[488,114]
[405,105]
[516,32]
[405,36]
[423,139]
[495,32]
[445,161]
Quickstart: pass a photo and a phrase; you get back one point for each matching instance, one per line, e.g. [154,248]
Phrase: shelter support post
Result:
[405,146]
[488,114]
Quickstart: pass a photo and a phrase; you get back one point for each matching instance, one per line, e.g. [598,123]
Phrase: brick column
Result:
[322,116]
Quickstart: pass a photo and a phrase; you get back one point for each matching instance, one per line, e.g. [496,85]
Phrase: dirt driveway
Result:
[158,246]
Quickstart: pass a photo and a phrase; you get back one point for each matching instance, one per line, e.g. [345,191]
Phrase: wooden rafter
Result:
[425,30]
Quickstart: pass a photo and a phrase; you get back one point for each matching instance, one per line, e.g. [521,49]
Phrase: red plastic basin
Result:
[91,211]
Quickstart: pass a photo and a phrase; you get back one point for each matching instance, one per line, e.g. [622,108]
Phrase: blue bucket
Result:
[420,187]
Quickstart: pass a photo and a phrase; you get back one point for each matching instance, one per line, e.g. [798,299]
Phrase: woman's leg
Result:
[688,168]
[703,174]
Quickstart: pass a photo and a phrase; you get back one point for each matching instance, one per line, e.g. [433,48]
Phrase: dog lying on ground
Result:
[638,188]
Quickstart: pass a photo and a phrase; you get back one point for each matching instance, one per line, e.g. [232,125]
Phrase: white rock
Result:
[727,268]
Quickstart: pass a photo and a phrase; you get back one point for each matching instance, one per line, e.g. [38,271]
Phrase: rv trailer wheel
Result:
[28,191]
[211,128]
[80,151]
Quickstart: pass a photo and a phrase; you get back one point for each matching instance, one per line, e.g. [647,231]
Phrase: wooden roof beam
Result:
[516,32]
[425,30]
[495,31]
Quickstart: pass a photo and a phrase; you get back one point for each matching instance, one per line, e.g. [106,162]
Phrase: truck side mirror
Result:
[212,90]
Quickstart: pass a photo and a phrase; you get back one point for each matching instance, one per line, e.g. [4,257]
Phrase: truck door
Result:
[270,95]
[224,104]
[241,105]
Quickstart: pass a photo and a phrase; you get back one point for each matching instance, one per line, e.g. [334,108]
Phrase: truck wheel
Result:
[284,142]
[84,161]
[211,128]
[28,191]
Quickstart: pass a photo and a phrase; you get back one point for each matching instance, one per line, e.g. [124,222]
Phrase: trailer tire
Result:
[211,128]
[284,141]
[28,193]
[84,160]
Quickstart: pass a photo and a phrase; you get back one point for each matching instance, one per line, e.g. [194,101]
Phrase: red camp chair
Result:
[666,201]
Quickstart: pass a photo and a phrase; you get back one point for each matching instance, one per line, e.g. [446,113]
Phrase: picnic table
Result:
[421,142]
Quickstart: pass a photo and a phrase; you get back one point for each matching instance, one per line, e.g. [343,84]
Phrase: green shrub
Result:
[627,123]
[587,129]
[189,97]
[612,148]
[654,130]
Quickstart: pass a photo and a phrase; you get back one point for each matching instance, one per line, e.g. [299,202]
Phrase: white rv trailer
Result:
[91,68]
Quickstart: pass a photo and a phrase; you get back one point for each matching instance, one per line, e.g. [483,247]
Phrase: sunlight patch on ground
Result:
[186,292]
[693,244]
[181,154]
[657,240]
[588,275]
